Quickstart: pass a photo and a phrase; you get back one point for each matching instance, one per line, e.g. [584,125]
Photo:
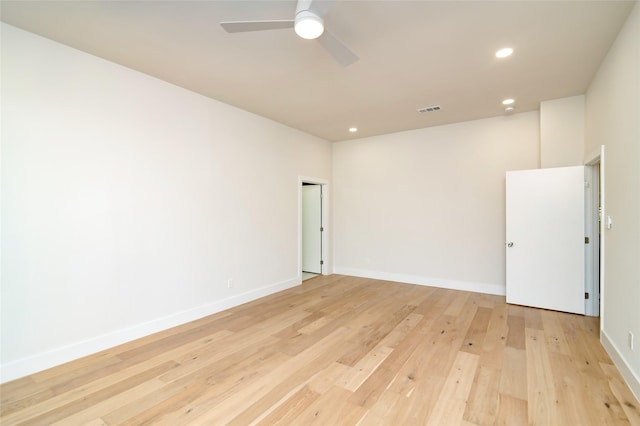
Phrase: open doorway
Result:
[593,231]
[313,232]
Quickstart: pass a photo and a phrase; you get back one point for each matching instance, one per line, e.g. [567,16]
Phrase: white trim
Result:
[625,370]
[594,157]
[32,364]
[326,247]
[488,288]
[603,220]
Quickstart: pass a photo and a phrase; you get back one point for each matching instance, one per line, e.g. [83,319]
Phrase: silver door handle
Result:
[510,244]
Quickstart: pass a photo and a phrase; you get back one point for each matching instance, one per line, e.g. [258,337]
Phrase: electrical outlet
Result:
[230,283]
[631,340]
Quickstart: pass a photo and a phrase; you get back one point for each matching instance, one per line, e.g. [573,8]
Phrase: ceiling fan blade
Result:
[244,26]
[337,49]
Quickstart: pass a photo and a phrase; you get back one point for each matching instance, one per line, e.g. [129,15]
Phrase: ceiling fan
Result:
[308,23]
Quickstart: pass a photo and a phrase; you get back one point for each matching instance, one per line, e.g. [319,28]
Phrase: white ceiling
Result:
[413,54]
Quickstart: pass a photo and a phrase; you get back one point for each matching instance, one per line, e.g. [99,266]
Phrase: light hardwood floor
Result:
[343,351]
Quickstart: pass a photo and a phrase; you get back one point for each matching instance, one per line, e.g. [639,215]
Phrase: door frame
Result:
[594,278]
[326,248]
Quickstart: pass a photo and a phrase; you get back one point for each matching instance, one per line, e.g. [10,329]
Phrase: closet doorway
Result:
[313,241]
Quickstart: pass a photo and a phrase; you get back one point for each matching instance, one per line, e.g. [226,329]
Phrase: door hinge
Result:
[586,240]
[322,262]
[586,295]
[321,229]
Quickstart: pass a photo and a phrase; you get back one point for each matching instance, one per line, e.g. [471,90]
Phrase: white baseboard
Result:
[38,362]
[627,373]
[488,288]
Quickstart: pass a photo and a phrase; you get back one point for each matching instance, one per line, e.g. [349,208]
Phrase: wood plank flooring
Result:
[341,350]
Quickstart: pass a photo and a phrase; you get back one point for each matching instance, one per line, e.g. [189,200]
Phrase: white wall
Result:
[562,132]
[428,206]
[127,203]
[613,120]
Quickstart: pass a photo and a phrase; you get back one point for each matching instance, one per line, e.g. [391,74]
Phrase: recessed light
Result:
[509,109]
[503,53]
[508,102]
[353,129]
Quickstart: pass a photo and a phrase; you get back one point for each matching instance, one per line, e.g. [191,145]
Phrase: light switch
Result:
[609,222]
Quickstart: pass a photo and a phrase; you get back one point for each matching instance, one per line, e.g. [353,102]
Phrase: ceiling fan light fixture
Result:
[308,25]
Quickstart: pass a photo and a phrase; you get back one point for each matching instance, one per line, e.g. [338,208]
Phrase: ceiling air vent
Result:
[430,108]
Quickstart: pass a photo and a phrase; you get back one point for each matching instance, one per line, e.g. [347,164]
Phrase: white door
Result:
[545,238]
[311,228]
